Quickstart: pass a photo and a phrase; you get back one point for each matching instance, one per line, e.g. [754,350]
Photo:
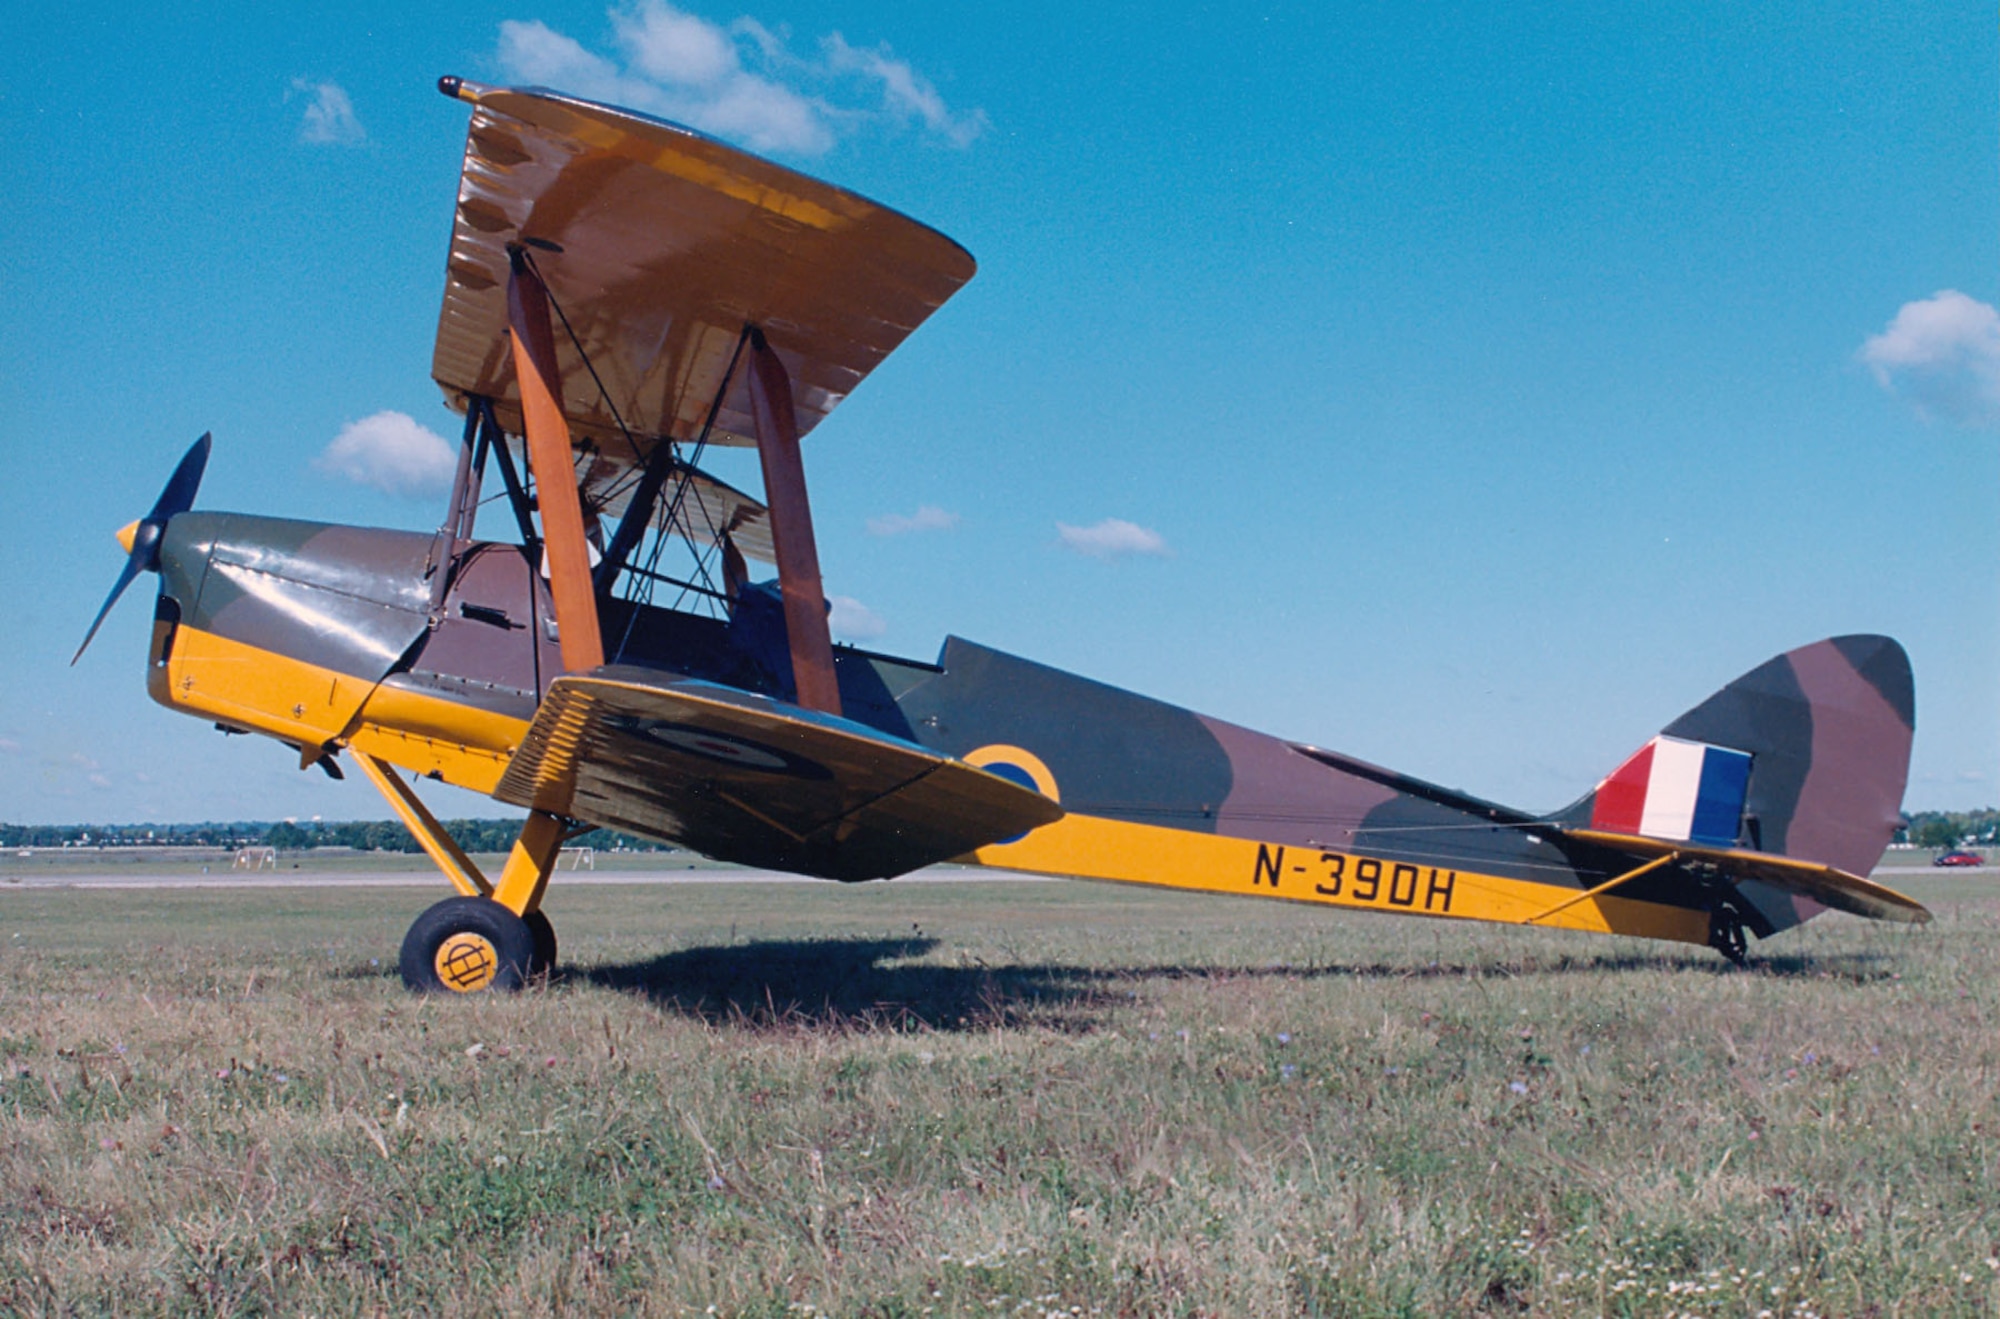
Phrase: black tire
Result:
[464,945]
[544,933]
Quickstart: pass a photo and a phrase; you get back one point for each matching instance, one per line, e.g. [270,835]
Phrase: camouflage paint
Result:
[348,599]
[1116,754]
[1828,726]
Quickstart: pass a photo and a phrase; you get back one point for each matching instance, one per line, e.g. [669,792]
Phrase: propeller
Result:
[144,547]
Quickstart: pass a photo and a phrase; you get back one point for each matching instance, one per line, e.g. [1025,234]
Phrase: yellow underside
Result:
[215,678]
[1095,848]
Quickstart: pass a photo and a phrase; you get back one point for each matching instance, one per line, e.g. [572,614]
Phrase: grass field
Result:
[993,1099]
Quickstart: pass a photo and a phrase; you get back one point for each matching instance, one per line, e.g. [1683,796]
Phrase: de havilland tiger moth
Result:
[621,293]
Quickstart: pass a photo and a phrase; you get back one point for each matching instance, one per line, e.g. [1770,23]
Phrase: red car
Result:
[1958,859]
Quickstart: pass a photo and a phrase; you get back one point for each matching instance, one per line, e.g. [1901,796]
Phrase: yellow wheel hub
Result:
[467,962]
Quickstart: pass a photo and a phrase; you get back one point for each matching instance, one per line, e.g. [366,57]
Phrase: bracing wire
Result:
[641,587]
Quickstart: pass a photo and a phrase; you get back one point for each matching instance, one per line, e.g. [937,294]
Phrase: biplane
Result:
[623,294]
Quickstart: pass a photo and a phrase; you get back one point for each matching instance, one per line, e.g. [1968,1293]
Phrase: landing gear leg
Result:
[526,878]
[498,940]
[492,935]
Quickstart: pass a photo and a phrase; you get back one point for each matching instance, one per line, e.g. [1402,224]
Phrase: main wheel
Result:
[544,933]
[464,945]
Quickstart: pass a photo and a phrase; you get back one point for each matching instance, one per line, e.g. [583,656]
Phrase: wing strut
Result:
[791,529]
[548,447]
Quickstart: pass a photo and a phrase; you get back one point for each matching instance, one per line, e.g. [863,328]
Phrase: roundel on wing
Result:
[726,748]
[1019,766]
[1013,774]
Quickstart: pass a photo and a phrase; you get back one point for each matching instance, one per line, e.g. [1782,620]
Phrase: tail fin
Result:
[1805,757]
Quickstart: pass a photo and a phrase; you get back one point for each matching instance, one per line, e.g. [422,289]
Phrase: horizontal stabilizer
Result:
[741,778]
[1824,884]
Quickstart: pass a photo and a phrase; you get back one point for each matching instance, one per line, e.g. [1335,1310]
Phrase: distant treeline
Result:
[290,836]
[1950,828]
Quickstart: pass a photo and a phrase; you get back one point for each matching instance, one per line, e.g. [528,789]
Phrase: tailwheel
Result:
[464,945]
[543,962]
[1731,919]
[1726,936]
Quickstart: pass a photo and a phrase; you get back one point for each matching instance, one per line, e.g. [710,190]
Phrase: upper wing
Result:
[1827,885]
[742,778]
[659,245]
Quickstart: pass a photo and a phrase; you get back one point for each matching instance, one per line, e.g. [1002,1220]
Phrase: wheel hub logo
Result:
[467,962]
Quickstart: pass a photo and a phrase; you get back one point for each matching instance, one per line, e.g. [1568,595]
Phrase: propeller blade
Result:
[132,568]
[178,497]
[175,499]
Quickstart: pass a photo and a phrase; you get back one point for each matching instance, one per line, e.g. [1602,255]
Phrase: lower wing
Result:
[742,778]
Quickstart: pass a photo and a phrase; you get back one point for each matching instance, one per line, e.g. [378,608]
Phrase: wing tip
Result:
[456,88]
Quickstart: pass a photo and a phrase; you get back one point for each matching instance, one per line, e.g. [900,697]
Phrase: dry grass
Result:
[1004,1098]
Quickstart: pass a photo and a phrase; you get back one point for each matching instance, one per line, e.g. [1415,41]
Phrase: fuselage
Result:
[434,658]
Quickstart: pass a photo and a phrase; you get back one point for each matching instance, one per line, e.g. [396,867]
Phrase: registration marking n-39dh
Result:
[1359,879]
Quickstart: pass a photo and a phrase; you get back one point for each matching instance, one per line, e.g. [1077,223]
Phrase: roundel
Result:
[718,746]
[1016,766]
[726,748]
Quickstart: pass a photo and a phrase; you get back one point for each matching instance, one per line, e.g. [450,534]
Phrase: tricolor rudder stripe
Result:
[1675,789]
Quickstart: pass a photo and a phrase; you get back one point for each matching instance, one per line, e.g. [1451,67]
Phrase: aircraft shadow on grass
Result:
[859,983]
[873,983]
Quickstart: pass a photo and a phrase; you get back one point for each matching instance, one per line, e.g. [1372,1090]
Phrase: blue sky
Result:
[1466,388]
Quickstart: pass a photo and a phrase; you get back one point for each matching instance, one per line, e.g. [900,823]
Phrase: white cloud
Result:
[536,53]
[99,780]
[393,453]
[1110,539]
[329,118]
[684,69]
[853,621]
[1943,355]
[738,81]
[9,746]
[676,48]
[905,92]
[927,518]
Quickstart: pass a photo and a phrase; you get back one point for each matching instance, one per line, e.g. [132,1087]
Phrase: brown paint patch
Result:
[1847,809]
[1279,796]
